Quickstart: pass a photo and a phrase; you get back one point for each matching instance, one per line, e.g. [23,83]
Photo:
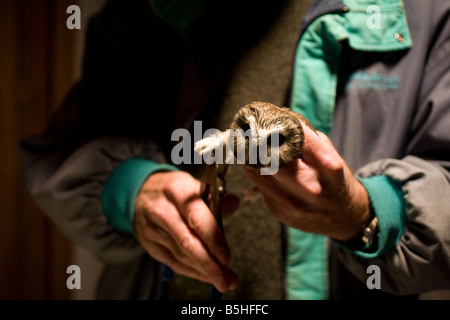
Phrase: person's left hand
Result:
[317,193]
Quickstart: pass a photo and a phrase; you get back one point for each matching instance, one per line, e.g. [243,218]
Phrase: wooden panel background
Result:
[36,71]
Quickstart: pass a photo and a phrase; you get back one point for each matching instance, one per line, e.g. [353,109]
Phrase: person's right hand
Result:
[175,226]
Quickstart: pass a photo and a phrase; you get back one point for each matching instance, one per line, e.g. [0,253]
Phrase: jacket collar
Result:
[370,25]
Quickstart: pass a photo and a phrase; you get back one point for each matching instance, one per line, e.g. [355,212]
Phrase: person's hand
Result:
[174,225]
[317,193]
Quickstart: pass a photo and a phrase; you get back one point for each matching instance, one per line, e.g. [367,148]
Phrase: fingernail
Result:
[234,284]
[221,283]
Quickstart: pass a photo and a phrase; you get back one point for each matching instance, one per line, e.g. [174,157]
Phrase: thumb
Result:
[318,150]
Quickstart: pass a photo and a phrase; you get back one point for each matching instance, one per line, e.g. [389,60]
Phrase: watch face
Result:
[370,231]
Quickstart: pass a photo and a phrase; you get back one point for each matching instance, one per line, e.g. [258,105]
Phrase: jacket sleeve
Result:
[109,132]
[413,241]
[70,193]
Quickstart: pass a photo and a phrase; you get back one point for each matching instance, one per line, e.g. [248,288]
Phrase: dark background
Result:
[39,62]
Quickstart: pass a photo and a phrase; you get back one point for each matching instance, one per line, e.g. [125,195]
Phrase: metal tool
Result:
[213,189]
[212,192]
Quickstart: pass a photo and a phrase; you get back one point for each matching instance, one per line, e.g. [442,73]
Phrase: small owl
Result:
[259,126]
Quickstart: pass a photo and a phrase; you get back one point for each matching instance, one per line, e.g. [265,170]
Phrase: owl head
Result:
[279,130]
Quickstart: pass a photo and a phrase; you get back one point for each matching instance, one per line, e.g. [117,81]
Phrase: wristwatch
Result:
[364,239]
[369,233]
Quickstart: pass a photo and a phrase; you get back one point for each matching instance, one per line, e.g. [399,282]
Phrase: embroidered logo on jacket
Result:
[373,80]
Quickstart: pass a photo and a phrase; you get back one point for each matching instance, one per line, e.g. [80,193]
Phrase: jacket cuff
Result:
[387,200]
[122,187]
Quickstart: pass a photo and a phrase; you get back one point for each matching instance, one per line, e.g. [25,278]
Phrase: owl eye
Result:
[281,139]
[245,126]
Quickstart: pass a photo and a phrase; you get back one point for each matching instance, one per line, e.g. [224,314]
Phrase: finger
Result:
[255,175]
[319,152]
[312,141]
[162,247]
[295,183]
[186,248]
[265,183]
[200,219]
[164,255]
[288,199]
[300,179]
[230,282]
[169,219]
[156,235]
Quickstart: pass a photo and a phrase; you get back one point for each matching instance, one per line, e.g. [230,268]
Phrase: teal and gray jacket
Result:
[373,75]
